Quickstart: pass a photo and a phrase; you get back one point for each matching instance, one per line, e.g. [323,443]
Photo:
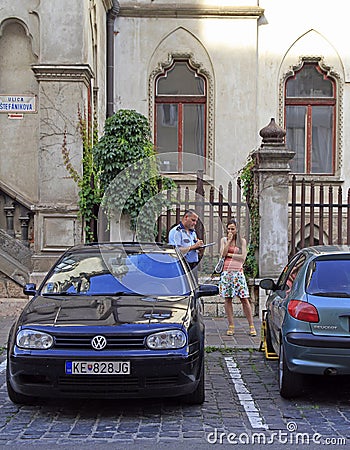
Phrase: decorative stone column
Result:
[24,220]
[57,224]
[272,169]
[10,212]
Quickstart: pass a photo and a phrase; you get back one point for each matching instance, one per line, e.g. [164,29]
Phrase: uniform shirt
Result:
[171,235]
[182,238]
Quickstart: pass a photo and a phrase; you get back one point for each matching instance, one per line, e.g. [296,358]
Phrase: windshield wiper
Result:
[114,294]
[90,294]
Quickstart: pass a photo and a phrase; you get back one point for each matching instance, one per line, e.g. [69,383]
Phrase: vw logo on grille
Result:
[98,342]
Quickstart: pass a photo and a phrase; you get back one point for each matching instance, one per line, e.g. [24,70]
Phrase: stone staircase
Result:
[16,219]
[15,265]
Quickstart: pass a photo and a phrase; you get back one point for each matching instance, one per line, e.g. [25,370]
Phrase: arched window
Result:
[310,117]
[180,118]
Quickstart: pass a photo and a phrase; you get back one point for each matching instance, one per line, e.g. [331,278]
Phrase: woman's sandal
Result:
[231,330]
[252,330]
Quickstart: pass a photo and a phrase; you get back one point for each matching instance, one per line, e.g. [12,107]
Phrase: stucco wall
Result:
[225,48]
[291,31]
[55,52]
[247,57]
[18,137]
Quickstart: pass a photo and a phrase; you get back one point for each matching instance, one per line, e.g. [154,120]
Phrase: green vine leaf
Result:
[122,161]
[128,172]
[89,190]
[248,185]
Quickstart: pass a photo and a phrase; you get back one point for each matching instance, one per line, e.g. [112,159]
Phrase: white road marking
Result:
[244,395]
[3,366]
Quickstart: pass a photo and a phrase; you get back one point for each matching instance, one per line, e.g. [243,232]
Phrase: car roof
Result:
[318,250]
[126,246]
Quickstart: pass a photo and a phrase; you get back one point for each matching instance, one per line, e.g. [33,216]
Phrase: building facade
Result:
[208,75]
[52,66]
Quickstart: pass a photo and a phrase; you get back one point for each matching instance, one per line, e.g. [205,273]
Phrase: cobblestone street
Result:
[242,407]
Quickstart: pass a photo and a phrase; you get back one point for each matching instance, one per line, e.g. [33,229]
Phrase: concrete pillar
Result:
[272,170]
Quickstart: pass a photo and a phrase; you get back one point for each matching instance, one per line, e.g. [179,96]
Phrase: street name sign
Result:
[17,104]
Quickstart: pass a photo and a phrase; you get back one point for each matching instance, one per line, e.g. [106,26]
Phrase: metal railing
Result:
[319,215]
[16,216]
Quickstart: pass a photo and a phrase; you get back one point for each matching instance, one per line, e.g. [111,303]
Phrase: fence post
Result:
[200,204]
[271,162]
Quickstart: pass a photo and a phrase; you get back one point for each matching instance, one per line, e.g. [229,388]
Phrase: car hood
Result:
[104,310]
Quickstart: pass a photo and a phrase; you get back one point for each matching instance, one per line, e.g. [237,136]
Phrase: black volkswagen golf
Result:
[111,320]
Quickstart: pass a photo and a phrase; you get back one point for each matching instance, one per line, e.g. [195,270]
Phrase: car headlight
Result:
[35,340]
[166,340]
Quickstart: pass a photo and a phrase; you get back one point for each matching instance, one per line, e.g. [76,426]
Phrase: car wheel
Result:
[14,396]
[197,397]
[290,383]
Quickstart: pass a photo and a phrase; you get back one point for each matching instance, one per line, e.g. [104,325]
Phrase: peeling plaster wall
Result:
[54,51]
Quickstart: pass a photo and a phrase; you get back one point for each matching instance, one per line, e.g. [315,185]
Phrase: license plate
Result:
[98,367]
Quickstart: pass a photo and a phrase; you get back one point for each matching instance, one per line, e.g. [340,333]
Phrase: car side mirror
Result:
[268,284]
[29,289]
[207,290]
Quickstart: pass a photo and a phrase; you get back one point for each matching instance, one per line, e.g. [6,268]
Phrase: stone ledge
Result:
[12,306]
[214,307]
[10,289]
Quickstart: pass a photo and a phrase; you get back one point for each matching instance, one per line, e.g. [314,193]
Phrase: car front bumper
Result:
[317,355]
[150,377]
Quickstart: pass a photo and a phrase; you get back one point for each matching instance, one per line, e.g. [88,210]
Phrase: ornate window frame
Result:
[330,71]
[162,66]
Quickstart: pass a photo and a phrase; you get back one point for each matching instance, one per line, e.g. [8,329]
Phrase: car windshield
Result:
[329,277]
[118,273]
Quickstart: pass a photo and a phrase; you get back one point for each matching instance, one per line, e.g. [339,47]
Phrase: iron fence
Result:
[215,205]
[319,215]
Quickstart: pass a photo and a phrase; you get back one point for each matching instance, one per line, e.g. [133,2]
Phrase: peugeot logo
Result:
[98,342]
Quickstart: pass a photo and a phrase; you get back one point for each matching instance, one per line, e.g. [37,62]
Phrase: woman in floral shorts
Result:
[232,281]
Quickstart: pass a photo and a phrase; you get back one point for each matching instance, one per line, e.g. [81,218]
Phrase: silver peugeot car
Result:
[307,317]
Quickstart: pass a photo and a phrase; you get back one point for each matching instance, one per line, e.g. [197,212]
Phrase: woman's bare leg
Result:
[229,310]
[249,315]
[247,309]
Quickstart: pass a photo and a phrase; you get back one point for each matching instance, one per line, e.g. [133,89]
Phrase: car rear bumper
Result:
[312,340]
[150,377]
[311,354]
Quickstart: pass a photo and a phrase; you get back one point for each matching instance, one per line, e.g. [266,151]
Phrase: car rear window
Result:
[118,273]
[329,277]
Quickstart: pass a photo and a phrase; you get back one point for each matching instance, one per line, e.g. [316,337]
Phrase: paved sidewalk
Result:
[9,309]
[215,328]
[215,333]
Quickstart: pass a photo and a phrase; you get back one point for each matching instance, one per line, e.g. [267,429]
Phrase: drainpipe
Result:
[111,16]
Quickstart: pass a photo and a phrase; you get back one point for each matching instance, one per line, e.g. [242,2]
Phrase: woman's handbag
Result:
[219,266]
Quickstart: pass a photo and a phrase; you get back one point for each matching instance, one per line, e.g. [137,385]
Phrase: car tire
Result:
[14,396]
[268,340]
[197,397]
[290,383]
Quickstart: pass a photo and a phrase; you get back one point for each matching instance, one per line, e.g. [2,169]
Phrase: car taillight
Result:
[303,311]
